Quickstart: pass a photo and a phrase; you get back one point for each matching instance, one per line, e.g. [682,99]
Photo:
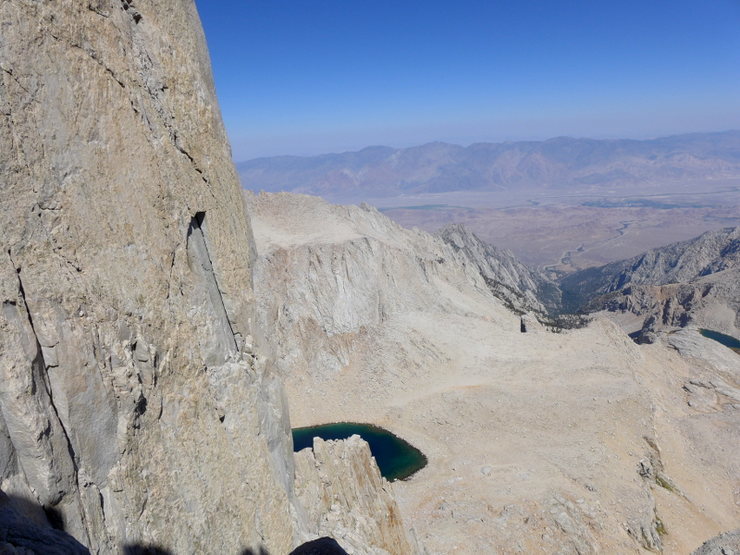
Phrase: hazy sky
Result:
[306,77]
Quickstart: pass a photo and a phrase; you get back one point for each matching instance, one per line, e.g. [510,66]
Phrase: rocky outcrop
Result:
[530,324]
[522,289]
[134,404]
[333,480]
[708,392]
[682,262]
[727,543]
[326,276]
[711,301]
[695,282]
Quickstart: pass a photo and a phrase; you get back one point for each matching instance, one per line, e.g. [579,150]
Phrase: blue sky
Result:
[307,77]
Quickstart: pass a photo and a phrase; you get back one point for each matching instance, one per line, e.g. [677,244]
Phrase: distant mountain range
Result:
[560,163]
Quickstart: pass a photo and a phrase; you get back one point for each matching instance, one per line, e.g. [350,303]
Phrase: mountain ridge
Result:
[519,287]
[379,147]
[557,163]
[692,282]
[682,261]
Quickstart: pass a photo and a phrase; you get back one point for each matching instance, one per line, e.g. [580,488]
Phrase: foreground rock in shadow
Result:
[23,529]
[320,546]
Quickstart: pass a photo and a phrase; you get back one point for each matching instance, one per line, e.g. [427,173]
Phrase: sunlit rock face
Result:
[333,482]
[132,404]
[135,408]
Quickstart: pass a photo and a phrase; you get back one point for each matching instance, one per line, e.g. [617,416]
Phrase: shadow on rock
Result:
[142,549]
[27,526]
[321,546]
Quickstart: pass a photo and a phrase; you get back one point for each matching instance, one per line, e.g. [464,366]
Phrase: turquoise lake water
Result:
[726,340]
[396,458]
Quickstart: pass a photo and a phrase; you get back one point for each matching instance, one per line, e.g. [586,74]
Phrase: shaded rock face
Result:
[20,533]
[320,546]
[131,403]
[522,289]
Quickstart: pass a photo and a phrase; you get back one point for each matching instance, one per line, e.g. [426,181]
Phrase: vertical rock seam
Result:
[196,241]
[133,409]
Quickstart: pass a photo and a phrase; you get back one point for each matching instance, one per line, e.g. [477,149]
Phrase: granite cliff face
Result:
[135,408]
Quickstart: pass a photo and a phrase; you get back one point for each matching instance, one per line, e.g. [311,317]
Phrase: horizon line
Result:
[468,145]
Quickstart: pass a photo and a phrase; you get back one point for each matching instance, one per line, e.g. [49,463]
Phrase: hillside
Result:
[521,288]
[579,441]
[695,281]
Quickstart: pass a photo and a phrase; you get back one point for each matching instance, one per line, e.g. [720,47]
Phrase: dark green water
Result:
[396,458]
[726,340]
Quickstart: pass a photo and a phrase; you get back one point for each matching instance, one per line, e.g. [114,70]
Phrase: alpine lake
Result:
[726,340]
[396,458]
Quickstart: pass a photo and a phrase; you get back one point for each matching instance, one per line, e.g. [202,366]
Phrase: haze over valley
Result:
[563,204]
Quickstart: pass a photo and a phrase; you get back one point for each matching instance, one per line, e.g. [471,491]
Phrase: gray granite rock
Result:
[333,480]
[523,289]
[727,543]
[135,405]
[130,401]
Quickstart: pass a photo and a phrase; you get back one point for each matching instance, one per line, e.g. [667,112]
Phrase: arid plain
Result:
[566,233]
